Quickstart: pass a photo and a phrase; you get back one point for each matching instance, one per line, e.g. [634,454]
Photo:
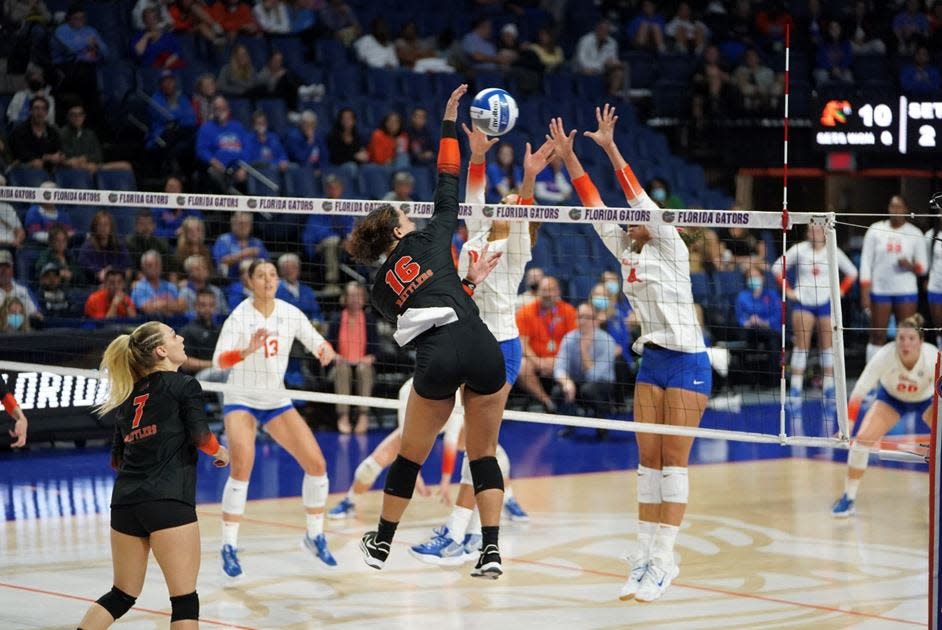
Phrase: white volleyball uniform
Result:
[811,283]
[905,385]
[884,246]
[934,255]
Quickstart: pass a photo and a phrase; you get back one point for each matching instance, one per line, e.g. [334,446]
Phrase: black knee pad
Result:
[116,602]
[185,607]
[400,482]
[486,474]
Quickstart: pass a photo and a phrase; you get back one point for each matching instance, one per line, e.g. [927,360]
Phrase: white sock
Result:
[850,488]
[315,524]
[230,533]
[872,349]
[314,490]
[663,548]
[474,525]
[797,382]
[458,522]
[646,532]
[508,493]
[827,383]
[351,495]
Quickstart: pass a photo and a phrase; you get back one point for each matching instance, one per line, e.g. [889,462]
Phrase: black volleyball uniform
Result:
[157,432]
[418,289]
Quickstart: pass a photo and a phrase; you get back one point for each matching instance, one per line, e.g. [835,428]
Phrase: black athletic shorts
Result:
[464,352]
[143,519]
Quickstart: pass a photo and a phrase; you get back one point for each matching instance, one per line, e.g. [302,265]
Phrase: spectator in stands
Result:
[234,17]
[389,144]
[614,316]
[740,33]
[403,187]
[352,332]
[102,250]
[111,301]
[143,239]
[191,241]
[263,146]
[508,44]
[161,12]
[152,294]
[240,288]
[742,249]
[41,217]
[81,147]
[759,312]
[376,49]
[295,292]
[660,191]
[172,126]
[712,87]
[920,79]
[421,151]
[59,253]
[688,33]
[220,145]
[34,142]
[272,17]
[201,334]
[237,245]
[552,184]
[19,12]
[935,28]
[646,30]
[503,175]
[275,80]
[339,18]
[204,93]
[411,49]
[543,323]
[13,318]
[197,270]
[531,285]
[156,47]
[303,16]
[865,30]
[911,26]
[478,47]
[324,234]
[760,88]
[584,368]
[344,143]
[192,16]
[834,57]
[597,53]
[169,221]
[18,110]
[306,146]
[548,54]
[9,288]
[237,78]
[53,300]
[12,233]
[77,50]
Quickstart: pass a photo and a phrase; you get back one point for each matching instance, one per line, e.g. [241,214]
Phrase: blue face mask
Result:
[600,302]
[15,320]
[611,286]
[754,284]
[659,194]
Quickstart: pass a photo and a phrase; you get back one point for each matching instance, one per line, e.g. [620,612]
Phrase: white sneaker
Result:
[639,567]
[656,580]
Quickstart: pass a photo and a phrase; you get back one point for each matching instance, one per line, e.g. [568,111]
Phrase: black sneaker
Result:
[488,565]
[375,552]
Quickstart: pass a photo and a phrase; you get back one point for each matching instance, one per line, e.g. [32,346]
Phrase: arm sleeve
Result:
[193,414]
[613,237]
[866,256]
[873,371]
[444,220]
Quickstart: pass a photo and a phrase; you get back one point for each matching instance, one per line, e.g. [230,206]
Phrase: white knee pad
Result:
[799,359]
[858,457]
[649,485]
[827,359]
[675,487]
[503,461]
[233,496]
[314,491]
[466,471]
[367,472]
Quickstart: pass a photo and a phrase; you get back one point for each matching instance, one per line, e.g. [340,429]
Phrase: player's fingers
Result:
[464,127]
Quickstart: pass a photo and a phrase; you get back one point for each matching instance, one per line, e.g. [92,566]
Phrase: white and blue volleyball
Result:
[494,111]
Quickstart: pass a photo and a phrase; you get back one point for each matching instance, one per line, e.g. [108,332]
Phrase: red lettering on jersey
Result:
[139,402]
[404,271]
[633,276]
[894,247]
[815,270]
[271,347]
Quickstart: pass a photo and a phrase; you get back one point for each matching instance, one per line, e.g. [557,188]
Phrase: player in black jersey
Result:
[159,425]
[18,432]
[417,289]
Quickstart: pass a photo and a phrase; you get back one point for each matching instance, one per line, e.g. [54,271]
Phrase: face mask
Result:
[260,130]
[754,284]
[659,194]
[15,320]
[35,85]
[599,302]
[611,286]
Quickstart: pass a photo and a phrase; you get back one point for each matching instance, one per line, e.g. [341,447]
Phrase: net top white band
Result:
[692,217]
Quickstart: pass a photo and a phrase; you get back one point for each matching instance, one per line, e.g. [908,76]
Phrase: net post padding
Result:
[837,324]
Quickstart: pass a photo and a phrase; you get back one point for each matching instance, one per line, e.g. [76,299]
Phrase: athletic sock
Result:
[663,548]
[851,486]
[474,525]
[489,535]
[458,522]
[386,530]
[646,533]
[508,493]
[797,382]
[230,533]
[315,524]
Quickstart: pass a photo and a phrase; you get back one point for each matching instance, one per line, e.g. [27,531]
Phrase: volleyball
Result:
[494,111]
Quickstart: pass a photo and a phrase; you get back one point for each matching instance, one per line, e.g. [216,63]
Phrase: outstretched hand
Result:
[562,142]
[605,135]
[482,265]
[478,141]
[18,432]
[451,108]
[535,162]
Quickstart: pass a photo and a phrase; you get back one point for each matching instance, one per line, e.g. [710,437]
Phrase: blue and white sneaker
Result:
[514,512]
[656,580]
[345,509]
[441,549]
[472,547]
[639,566]
[230,562]
[843,507]
[318,546]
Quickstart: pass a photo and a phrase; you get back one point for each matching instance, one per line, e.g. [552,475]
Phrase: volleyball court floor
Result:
[758,549]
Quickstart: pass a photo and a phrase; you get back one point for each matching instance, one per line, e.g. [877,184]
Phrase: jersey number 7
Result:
[139,402]
[403,272]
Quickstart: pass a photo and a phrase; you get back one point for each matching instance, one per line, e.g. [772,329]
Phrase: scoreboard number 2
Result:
[926,136]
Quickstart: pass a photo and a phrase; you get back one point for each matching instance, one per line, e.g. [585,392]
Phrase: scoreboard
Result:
[902,127]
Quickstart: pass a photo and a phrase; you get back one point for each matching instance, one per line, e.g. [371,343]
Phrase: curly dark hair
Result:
[372,236]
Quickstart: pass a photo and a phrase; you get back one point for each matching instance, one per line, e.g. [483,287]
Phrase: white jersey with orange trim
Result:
[883,247]
[656,279]
[265,368]
[496,296]
[934,253]
[885,367]
[812,281]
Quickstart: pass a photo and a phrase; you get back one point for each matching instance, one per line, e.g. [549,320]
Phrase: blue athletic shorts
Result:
[513,354]
[905,298]
[682,370]
[264,416]
[935,298]
[821,310]
[902,408]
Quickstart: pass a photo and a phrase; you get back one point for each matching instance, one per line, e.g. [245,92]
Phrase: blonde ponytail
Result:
[126,360]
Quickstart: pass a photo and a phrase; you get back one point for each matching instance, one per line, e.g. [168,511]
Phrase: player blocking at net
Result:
[418,289]
[675,379]
[20,423]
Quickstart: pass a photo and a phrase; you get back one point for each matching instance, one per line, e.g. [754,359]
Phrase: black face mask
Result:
[35,85]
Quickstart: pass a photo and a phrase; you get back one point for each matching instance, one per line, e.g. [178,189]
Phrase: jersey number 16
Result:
[402,273]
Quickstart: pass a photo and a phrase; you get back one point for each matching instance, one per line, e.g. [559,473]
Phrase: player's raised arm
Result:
[604,136]
[445,216]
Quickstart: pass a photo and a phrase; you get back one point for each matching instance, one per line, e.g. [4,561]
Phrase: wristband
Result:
[468,286]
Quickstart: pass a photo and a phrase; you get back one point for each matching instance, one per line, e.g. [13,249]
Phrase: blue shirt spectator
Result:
[236,292]
[295,292]
[305,146]
[221,139]
[76,41]
[502,174]
[144,292]
[648,20]
[758,307]
[263,146]
[320,227]
[479,48]
[301,18]
[569,361]
[154,47]
[40,218]
[920,78]
[233,247]
[169,108]
[154,295]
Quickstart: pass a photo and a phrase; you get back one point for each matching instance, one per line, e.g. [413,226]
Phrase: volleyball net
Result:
[571,291]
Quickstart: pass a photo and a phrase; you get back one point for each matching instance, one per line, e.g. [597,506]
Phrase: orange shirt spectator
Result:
[233,16]
[545,326]
[111,300]
[389,141]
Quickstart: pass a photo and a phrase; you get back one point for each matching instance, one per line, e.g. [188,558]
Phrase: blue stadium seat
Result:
[310,73]
[300,182]
[345,82]
[382,83]
[700,285]
[26,176]
[727,285]
[74,178]
[642,67]
[424,182]
[419,85]
[374,180]
[116,180]
[82,218]
[331,53]
[26,258]
[116,80]
[675,68]
[557,85]
[277,113]
[241,110]
[259,187]
[671,99]
[351,185]
[591,87]
[292,49]
[579,288]
[870,67]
